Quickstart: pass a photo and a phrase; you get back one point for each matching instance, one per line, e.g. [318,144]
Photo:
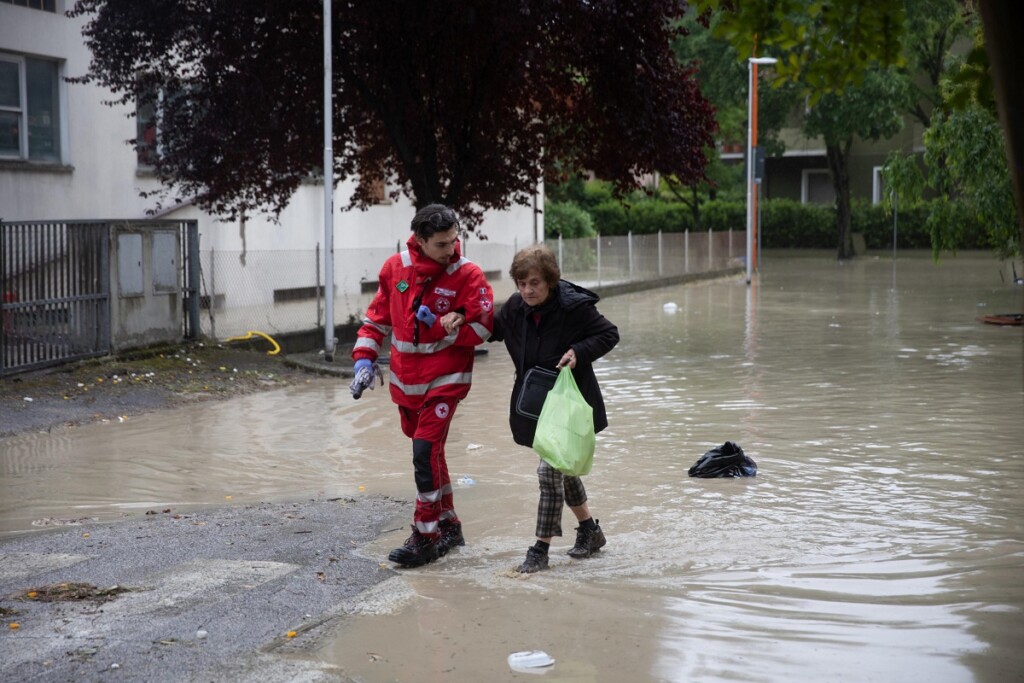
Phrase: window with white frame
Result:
[29,109]
[45,5]
[878,187]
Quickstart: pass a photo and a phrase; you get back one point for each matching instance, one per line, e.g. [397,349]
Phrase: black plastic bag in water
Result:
[726,460]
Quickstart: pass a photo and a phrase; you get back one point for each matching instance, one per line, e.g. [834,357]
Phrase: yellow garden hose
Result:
[254,333]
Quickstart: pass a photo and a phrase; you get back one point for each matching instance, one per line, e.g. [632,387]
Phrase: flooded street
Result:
[883,538]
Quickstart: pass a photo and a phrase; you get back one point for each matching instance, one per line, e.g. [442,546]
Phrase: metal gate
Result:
[56,293]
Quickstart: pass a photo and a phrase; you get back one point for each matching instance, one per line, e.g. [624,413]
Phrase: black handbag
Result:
[536,384]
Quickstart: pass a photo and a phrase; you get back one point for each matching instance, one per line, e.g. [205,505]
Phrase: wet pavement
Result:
[229,594]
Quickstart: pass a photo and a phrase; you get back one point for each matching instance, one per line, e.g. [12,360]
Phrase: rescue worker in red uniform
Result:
[436,306]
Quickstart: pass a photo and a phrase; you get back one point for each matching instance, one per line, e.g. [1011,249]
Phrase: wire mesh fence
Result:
[283,291]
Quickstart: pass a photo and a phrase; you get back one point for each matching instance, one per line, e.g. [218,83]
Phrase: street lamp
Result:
[330,341]
[751,131]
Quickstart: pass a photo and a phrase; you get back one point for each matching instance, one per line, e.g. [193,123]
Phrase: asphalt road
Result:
[232,594]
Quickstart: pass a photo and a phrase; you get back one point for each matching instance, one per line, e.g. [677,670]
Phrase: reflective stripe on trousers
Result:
[428,429]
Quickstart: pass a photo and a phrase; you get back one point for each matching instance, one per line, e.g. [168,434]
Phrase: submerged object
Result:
[1003,319]
[727,460]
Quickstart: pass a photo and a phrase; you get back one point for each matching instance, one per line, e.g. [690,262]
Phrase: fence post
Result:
[686,251]
[318,285]
[660,269]
[213,294]
[192,239]
[629,253]
[598,259]
[730,243]
[561,262]
[711,259]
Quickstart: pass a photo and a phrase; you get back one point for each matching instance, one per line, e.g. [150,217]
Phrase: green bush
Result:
[567,220]
[788,224]
[595,192]
[722,215]
[644,217]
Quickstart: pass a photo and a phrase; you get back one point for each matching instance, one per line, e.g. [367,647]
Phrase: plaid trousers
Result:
[556,488]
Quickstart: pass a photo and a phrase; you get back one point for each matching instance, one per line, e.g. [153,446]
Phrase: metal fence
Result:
[613,260]
[56,293]
[56,281]
[280,292]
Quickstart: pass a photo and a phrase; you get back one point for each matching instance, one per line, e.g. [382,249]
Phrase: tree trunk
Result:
[838,157]
[1003,46]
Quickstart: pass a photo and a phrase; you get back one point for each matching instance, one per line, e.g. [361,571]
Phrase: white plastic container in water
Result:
[529,661]
[670,307]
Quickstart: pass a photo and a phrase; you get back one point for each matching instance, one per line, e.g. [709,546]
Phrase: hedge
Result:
[785,223]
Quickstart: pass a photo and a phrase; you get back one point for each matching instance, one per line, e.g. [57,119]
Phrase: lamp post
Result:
[330,342]
[752,64]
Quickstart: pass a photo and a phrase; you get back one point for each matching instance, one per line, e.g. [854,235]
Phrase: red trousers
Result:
[428,429]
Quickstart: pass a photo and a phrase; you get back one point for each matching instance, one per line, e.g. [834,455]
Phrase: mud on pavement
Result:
[231,594]
[147,380]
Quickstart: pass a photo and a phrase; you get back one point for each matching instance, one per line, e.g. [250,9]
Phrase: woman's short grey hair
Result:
[539,258]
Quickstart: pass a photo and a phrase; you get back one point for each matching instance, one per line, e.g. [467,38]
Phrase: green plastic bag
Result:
[565,428]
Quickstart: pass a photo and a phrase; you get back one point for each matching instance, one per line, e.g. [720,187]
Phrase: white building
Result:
[64,156]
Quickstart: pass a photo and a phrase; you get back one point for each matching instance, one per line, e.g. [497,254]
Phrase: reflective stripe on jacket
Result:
[427,362]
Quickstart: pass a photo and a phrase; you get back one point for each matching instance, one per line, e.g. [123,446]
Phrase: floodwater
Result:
[882,539]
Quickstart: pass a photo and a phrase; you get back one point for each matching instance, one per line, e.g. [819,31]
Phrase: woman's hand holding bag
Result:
[565,428]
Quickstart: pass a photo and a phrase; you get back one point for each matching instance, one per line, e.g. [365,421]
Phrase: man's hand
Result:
[365,370]
[426,316]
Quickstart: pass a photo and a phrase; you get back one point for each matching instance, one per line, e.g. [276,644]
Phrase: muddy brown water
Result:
[883,538]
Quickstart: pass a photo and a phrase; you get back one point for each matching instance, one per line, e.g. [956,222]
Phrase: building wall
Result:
[787,176]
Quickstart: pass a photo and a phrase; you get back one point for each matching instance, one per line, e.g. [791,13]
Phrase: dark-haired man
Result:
[436,306]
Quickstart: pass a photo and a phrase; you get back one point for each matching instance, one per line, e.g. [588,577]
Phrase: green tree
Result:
[869,111]
[822,45]
[965,160]
[934,27]
[723,81]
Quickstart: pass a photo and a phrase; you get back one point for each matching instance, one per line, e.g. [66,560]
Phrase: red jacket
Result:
[429,363]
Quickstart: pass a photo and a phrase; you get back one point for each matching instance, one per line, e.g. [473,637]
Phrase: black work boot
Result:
[451,537]
[536,559]
[588,541]
[417,550]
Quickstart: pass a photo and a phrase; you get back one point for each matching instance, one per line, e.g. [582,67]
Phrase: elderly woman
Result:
[553,323]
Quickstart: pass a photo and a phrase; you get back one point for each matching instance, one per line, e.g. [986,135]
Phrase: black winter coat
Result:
[569,318]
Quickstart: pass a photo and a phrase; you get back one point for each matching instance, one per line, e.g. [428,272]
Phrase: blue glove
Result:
[424,315]
[365,371]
